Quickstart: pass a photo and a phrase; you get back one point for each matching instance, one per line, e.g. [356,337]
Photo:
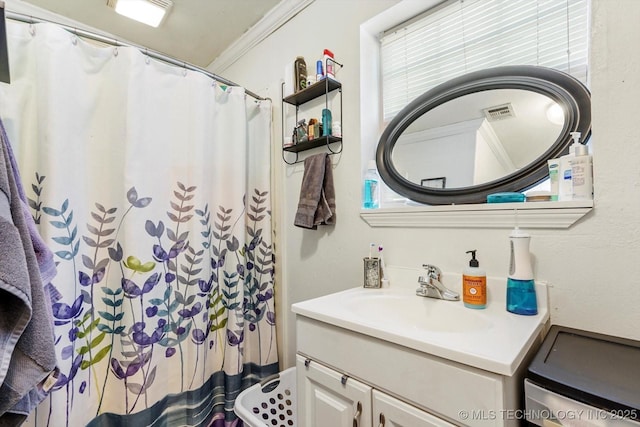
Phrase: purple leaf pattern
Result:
[166,305]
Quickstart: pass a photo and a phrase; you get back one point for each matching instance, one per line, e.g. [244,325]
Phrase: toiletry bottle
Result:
[554,177]
[300,70]
[474,284]
[326,122]
[336,129]
[371,187]
[328,59]
[582,174]
[521,291]
[565,183]
[319,70]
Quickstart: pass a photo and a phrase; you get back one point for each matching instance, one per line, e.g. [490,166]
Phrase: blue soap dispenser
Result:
[521,291]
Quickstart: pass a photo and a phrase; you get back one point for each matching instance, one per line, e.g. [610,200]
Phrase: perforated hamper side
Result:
[271,402]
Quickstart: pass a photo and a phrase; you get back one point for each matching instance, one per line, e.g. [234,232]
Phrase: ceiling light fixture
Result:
[150,12]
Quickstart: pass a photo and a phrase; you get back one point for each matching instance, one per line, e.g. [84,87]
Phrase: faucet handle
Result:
[432,271]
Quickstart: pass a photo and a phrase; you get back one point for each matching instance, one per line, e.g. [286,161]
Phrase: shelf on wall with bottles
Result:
[312,143]
[322,88]
[316,90]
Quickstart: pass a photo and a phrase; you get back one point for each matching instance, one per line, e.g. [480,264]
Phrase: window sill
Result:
[558,215]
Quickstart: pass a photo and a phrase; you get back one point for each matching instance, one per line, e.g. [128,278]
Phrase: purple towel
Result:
[27,351]
[44,256]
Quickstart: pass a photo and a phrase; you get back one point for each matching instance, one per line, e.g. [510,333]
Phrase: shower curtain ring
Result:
[32,27]
[147,60]
[184,69]
[74,37]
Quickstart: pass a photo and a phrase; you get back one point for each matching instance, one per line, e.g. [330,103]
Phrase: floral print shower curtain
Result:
[150,184]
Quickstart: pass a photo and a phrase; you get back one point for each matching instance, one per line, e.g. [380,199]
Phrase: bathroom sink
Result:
[408,310]
[491,339]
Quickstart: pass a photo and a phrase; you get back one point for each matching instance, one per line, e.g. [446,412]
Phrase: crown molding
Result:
[454,129]
[496,147]
[274,19]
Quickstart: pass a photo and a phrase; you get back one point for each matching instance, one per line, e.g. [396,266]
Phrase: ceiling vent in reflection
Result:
[499,112]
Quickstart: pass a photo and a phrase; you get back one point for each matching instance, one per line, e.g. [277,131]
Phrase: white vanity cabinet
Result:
[391,412]
[326,399]
[418,361]
[329,398]
[440,392]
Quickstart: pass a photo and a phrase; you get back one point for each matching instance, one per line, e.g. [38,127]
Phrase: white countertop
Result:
[491,339]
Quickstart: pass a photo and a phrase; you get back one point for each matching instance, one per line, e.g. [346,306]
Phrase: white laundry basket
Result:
[271,402]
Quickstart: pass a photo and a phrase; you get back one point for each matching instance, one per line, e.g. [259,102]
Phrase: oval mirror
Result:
[485,132]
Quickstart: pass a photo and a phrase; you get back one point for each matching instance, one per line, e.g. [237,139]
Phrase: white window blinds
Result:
[468,35]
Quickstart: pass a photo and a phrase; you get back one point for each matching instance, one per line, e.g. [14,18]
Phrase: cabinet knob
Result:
[307,362]
[344,379]
[382,420]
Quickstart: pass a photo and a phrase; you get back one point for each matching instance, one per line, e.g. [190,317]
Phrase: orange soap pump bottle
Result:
[474,284]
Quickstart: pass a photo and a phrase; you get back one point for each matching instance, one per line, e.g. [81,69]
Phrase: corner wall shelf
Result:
[322,88]
[532,215]
[313,143]
[326,85]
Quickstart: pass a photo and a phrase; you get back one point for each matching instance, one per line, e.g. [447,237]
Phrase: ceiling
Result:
[194,31]
[519,139]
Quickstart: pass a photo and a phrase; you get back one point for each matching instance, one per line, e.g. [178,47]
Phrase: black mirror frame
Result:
[563,88]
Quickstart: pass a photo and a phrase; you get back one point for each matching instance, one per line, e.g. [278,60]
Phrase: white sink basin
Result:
[491,339]
[412,311]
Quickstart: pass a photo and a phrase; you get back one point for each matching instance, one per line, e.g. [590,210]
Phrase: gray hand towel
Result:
[27,352]
[317,204]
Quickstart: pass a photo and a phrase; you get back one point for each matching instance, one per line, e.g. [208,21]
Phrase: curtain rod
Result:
[114,42]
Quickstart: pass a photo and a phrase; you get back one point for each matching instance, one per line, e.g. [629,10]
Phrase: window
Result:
[462,36]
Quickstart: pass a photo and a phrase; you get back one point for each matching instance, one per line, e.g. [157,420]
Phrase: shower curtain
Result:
[150,184]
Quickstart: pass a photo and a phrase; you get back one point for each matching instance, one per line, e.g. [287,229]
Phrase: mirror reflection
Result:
[426,184]
[478,138]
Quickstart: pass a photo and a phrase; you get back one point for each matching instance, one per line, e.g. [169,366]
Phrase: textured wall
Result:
[593,267]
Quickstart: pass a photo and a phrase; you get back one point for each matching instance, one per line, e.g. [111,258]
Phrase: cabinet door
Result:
[324,399]
[391,412]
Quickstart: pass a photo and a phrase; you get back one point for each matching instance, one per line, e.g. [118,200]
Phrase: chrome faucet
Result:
[432,286]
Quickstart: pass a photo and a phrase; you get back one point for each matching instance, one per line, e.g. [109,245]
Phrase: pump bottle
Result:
[474,284]
[521,291]
[582,174]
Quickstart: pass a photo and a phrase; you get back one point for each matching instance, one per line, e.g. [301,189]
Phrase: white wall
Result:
[430,154]
[593,268]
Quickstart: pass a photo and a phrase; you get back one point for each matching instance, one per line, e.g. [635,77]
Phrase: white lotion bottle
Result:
[582,174]
[565,183]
